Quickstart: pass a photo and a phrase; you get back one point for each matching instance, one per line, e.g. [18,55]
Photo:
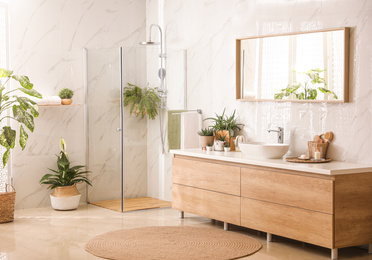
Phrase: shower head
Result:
[149,43]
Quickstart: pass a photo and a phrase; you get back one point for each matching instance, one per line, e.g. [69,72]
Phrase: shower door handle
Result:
[118,129]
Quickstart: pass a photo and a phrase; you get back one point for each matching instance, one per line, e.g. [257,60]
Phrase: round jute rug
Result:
[172,243]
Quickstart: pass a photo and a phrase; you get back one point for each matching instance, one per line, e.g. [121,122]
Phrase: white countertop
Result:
[329,168]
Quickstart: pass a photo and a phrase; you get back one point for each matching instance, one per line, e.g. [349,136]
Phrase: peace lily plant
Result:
[23,110]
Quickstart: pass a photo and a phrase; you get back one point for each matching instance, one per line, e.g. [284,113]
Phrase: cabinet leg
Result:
[181,214]
[269,237]
[334,254]
[225,226]
[369,248]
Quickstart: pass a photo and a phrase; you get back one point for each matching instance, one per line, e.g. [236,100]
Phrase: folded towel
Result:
[174,129]
[48,100]
[190,125]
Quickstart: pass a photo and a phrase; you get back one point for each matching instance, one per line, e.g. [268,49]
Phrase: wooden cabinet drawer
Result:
[205,175]
[300,224]
[293,190]
[206,203]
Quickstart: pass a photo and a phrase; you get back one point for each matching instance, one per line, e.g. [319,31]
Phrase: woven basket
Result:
[7,200]
[322,148]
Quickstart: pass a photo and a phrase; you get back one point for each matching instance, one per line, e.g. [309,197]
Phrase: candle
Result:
[317,155]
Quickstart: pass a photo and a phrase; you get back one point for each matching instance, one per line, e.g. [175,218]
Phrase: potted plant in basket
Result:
[23,110]
[63,181]
[66,96]
[206,137]
[226,126]
[142,101]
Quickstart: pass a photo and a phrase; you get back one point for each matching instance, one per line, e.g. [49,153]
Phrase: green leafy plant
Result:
[222,138]
[224,122]
[227,145]
[65,175]
[209,144]
[65,93]
[206,132]
[24,110]
[309,93]
[142,101]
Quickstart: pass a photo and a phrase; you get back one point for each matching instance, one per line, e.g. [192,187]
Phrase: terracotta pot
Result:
[204,140]
[66,101]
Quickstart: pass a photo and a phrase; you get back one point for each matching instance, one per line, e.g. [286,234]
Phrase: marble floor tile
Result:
[44,233]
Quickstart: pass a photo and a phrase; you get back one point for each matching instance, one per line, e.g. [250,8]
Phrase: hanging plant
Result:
[142,101]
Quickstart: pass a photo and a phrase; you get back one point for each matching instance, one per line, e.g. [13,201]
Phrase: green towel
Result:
[174,129]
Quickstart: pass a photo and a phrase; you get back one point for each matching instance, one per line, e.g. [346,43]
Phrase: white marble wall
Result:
[208,29]
[47,38]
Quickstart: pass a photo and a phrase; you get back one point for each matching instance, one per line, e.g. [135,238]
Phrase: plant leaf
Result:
[23,137]
[23,117]
[31,92]
[24,81]
[7,137]
[5,73]
[6,157]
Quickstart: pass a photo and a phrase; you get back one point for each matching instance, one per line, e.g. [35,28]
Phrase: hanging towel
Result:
[190,125]
[174,129]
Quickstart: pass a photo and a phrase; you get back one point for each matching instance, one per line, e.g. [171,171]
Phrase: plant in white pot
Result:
[220,143]
[63,181]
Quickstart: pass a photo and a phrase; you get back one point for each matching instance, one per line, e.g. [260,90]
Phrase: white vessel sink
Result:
[264,150]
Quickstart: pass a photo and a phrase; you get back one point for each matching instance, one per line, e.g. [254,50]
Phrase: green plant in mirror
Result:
[23,110]
[65,175]
[309,91]
[142,101]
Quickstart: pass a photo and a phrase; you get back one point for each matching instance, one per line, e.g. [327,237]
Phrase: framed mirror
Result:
[297,67]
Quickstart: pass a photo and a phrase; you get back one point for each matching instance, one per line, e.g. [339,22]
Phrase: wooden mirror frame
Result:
[346,67]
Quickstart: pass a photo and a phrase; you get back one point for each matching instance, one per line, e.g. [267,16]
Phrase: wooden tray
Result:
[296,160]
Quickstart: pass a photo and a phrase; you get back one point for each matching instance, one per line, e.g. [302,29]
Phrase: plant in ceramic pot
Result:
[226,126]
[206,137]
[66,96]
[227,147]
[142,101]
[219,144]
[209,147]
[63,181]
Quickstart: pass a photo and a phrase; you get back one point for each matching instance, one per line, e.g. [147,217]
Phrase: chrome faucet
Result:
[280,132]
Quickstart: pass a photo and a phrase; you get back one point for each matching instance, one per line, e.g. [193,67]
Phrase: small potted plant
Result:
[226,126]
[206,137]
[63,182]
[220,143]
[142,101]
[209,147]
[66,94]
[227,147]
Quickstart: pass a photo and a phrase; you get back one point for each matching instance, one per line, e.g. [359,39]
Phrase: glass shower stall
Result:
[122,151]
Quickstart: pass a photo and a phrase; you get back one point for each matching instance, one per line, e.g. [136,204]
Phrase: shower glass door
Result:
[103,69]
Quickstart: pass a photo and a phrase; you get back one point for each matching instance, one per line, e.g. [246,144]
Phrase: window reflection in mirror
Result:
[309,66]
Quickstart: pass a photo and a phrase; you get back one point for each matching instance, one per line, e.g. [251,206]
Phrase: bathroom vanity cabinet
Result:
[313,204]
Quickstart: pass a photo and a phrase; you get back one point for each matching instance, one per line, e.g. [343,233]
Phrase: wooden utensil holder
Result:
[321,147]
